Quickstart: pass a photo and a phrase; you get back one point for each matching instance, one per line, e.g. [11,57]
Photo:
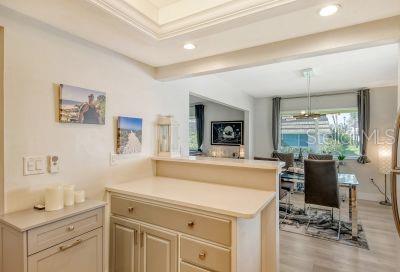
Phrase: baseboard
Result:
[370,196]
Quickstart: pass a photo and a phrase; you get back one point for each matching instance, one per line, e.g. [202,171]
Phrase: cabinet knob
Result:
[202,255]
[70,228]
[190,224]
[131,209]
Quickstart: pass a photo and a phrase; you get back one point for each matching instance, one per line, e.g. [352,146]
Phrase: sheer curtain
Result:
[199,114]
[276,121]
[363,104]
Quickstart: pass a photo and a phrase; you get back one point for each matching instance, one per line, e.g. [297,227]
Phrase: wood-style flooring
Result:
[299,253]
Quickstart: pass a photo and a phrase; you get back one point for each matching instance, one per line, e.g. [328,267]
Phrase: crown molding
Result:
[130,15]
[192,22]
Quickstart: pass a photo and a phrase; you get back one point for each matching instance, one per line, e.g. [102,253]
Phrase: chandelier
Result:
[308,114]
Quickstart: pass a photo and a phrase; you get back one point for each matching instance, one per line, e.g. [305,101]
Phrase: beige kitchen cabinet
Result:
[83,253]
[198,215]
[129,241]
[68,240]
[124,245]
[159,250]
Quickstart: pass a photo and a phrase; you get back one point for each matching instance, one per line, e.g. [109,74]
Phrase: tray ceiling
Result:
[119,26]
[162,19]
[162,3]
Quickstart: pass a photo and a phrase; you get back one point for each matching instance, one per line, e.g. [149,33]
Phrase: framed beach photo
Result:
[227,133]
[79,105]
[129,135]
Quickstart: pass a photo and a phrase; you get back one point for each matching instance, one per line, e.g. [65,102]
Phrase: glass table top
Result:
[343,178]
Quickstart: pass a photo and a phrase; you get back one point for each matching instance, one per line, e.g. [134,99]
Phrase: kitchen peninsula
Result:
[195,215]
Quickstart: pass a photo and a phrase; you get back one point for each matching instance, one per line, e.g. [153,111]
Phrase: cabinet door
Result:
[124,246]
[83,253]
[159,250]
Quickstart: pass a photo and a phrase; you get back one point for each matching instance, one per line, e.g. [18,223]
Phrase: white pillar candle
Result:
[54,198]
[69,196]
[79,196]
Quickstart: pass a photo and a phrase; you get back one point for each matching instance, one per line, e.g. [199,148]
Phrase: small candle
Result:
[54,198]
[69,195]
[79,196]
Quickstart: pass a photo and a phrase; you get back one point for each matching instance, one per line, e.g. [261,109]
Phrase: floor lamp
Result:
[385,160]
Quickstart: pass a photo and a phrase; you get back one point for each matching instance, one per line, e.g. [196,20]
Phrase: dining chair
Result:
[288,158]
[286,188]
[321,186]
[313,156]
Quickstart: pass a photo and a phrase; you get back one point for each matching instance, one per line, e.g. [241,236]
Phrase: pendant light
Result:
[308,114]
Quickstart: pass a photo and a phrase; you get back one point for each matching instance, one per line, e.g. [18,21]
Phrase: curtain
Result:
[363,104]
[199,114]
[276,121]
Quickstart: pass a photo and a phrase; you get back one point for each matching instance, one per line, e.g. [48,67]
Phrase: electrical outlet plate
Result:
[53,164]
[113,159]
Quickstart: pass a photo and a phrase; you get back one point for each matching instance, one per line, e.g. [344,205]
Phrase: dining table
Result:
[348,181]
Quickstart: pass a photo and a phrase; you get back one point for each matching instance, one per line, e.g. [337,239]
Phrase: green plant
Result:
[341,157]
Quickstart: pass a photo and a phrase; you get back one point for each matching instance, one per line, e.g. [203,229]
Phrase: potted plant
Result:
[341,158]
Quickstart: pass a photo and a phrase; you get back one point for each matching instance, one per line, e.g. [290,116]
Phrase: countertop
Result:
[29,219]
[222,199]
[257,164]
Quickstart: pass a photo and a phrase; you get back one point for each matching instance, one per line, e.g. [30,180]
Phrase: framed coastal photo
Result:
[79,105]
[227,133]
[129,135]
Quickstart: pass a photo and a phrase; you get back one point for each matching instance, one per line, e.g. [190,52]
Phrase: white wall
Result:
[262,135]
[217,112]
[383,114]
[38,58]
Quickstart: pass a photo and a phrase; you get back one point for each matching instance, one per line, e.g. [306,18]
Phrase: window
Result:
[192,130]
[336,132]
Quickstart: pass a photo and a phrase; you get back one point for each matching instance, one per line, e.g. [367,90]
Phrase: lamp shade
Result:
[385,158]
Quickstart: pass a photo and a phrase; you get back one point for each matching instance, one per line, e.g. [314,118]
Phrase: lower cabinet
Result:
[68,240]
[147,237]
[67,256]
[158,249]
[124,246]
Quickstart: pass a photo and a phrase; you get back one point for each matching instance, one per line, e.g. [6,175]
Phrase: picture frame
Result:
[228,133]
[129,135]
[81,106]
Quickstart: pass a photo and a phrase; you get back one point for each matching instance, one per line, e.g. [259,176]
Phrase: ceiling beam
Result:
[359,36]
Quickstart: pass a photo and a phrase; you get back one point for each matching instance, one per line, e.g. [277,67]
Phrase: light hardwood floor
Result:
[306,254]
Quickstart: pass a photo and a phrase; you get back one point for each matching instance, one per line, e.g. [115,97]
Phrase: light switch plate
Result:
[34,165]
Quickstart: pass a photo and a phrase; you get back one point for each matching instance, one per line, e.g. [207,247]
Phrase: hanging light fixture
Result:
[308,114]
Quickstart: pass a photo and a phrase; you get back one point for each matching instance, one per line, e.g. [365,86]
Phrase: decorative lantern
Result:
[168,137]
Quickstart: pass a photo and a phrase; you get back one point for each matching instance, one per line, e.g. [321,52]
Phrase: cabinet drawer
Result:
[205,255]
[52,234]
[206,227]
[82,253]
[185,267]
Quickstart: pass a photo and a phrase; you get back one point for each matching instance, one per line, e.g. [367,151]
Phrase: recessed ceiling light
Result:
[189,46]
[329,10]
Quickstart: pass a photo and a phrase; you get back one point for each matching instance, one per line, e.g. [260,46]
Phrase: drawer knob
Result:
[202,255]
[70,228]
[190,224]
[131,209]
